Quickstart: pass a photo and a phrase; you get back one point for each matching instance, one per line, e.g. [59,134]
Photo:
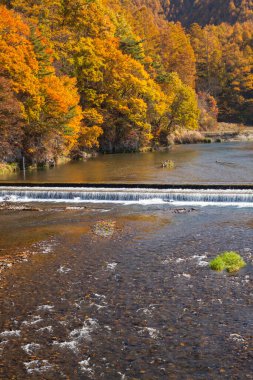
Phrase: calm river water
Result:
[137,301]
[201,163]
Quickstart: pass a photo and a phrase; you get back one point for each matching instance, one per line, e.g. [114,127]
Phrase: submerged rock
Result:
[104,228]
[184,210]
[7,262]
[14,207]
[169,164]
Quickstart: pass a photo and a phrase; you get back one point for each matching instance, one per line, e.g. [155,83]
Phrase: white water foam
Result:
[85,331]
[179,260]
[122,376]
[99,306]
[37,366]
[111,266]
[10,333]
[185,275]
[100,301]
[78,335]
[45,246]
[63,269]
[71,345]
[86,367]
[31,348]
[145,196]
[46,328]
[34,320]
[74,208]
[237,338]
[45,308]
[2,345]
[153,333]
[100,296]
[200,260]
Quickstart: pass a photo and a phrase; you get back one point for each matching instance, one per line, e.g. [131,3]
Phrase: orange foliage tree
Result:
[52,116]
[11,122]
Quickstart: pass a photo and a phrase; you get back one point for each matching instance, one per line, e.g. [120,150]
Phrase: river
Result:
[123,290]
[201,163]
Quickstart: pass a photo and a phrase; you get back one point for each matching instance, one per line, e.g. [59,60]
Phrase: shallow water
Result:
[201,163]
[141,304]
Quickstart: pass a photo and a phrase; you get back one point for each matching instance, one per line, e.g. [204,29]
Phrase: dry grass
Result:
[185,136]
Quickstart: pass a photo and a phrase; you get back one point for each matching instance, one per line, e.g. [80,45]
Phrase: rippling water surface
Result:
[138,304]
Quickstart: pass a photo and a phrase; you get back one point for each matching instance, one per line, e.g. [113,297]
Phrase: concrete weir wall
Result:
[81,193]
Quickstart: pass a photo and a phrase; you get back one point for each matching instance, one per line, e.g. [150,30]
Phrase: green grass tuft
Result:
[217,264]
[229,261]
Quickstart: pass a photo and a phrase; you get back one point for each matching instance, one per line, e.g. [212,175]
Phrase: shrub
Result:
[8,168]
[229,261]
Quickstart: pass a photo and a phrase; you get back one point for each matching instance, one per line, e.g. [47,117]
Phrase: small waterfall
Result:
[126,195]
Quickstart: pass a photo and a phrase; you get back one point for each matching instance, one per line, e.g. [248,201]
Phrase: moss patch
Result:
[229,261]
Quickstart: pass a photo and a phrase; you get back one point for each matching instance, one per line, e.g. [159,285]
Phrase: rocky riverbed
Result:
[125,292]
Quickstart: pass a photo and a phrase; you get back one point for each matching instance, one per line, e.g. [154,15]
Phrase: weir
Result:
[199,194]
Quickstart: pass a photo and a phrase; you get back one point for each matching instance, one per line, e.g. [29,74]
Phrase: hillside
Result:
[206,12]
[78,76]
[202,12]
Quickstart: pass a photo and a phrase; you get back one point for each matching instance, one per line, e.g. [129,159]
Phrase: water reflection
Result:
[193,164]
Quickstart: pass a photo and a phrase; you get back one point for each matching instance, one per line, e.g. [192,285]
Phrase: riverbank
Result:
[224,132]
[228,163]
[227,132]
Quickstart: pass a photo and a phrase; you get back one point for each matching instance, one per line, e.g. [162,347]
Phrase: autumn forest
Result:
[118,76]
